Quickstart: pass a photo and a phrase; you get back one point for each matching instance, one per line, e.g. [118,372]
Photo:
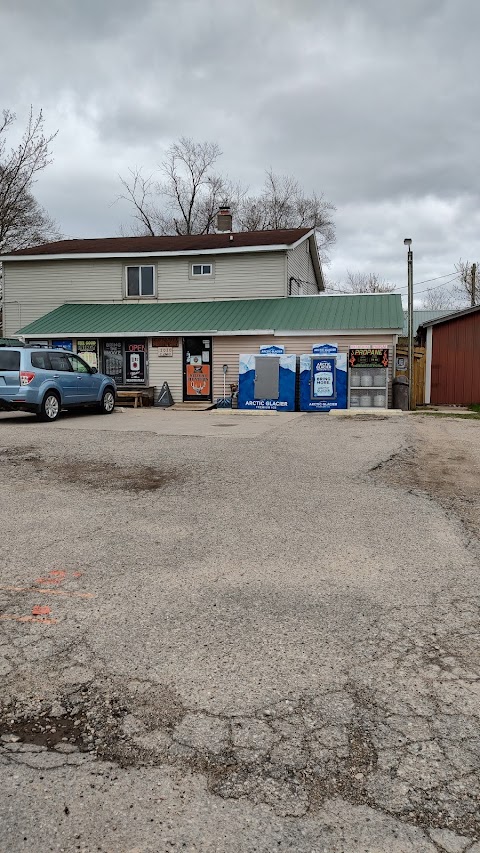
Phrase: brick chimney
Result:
[224,218]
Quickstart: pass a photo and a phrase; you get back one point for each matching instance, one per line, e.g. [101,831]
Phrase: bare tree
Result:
[23,221]
[362,282]
[437,299]
[467,289]
[186,198]
[282,203]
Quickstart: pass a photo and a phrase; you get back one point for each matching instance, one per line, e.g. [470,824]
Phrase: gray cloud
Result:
[375,104]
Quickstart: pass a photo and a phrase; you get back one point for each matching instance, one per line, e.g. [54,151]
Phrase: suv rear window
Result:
[40,359]
[9,360]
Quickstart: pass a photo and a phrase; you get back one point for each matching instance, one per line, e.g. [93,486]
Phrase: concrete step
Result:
[190,407]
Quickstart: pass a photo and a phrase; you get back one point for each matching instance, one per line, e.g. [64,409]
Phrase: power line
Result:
[426,280]
[435,279]
[453,277]
[396,291]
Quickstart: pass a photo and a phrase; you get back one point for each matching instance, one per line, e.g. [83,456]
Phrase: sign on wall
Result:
[165,342]
[272,349]
[374,357]
[324,349]
[165,352]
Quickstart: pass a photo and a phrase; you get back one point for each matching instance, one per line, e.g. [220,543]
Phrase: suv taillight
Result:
[26,377]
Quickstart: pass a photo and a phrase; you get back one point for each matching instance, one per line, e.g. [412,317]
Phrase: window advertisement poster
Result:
[113,360]
[87,349]
[65,344]
[135,362]
[198,378]
[323,382]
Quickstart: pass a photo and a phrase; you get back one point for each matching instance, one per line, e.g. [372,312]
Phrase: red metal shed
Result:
[453,358]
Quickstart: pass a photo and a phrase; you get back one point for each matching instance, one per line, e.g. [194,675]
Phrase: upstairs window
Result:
[140,281]
[202,269]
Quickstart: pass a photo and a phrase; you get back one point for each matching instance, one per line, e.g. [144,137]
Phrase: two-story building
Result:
[152,309]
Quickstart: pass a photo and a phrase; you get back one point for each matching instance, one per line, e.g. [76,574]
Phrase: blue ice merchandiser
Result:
[323,379]
[266,380]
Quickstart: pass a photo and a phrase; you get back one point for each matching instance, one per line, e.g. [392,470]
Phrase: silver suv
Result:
[45,381]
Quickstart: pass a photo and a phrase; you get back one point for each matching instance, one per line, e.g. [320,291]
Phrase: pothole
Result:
[46,731]
[96,475]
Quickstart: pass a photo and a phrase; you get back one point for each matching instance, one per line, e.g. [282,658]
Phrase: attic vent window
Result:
[201,269]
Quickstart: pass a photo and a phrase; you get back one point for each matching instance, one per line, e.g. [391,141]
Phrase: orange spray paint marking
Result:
[49,581]
[77,574]
[38,610]
[57,573]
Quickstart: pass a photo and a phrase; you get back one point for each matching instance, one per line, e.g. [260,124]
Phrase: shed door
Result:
[266,377]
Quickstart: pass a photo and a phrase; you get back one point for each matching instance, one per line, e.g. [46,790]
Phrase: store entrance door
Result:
[197,369]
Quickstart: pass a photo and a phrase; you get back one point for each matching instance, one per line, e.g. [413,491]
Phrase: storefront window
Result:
[87,349]
[125,361]
[113,360]
[135,362]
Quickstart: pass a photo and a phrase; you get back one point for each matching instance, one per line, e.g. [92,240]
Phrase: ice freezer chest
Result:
[323,379]
[266,380]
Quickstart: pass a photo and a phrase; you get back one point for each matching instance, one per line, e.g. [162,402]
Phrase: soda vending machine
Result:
[323,379]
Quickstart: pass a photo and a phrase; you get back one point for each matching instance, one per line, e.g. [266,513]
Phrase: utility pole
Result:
[408,242]
[473,283]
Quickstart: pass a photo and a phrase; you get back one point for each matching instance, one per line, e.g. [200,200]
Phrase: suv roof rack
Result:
[11,342]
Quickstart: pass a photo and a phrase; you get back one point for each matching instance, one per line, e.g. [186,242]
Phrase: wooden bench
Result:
[130,398]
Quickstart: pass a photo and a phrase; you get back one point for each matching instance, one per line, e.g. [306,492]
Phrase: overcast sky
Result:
[375,103]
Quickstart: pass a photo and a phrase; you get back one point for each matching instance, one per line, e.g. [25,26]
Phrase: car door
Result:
[64,376]
[88,383]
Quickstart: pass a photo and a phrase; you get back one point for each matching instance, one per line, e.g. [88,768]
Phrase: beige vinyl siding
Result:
[33,288]
[166,369]
[300,266]
[249,275]
[226,350]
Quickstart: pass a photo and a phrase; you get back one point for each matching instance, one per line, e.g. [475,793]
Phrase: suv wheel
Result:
[50,407]
[108,402]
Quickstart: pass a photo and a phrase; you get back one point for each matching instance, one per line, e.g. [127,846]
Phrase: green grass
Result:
[473,416]
[475,407]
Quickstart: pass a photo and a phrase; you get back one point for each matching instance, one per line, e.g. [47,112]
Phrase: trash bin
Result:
[400,393]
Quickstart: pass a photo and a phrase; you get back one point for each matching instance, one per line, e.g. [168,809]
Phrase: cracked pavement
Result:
[253,643]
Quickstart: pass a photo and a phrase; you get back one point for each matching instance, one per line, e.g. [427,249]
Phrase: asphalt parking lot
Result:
[239,633]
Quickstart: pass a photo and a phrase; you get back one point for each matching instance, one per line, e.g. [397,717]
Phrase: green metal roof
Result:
[301,313]
[420,317]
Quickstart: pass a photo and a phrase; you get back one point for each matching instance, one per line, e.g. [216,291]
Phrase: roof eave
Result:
[148,333]
[276,247]
[453,316]
[317,264]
